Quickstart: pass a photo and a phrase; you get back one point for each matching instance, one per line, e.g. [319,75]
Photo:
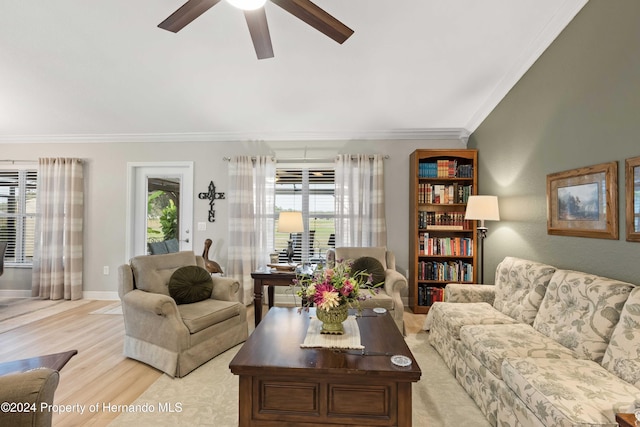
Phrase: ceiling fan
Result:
[257,20]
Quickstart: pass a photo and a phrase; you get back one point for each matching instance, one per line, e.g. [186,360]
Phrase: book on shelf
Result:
[444,168]
[427,295]
[428,220]
[446,194]
[445,271]
[444,246]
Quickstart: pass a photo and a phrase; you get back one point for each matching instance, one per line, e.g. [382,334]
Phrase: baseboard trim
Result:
[99,295]
[15,293]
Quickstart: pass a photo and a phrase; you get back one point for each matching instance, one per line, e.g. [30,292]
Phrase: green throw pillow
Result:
[190,284]
[371,266]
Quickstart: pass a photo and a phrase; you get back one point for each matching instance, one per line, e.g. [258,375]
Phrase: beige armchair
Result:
[176,338]
[35,387]
[389,296]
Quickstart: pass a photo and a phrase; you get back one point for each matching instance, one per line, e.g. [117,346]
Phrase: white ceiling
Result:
[102,69]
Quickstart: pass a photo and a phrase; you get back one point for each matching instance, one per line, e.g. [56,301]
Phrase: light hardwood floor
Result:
[99,373]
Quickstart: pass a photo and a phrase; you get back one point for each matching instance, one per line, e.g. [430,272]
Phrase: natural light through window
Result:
[310,191]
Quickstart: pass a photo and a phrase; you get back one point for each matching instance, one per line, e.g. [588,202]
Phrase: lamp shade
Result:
[482,208]
[290,222]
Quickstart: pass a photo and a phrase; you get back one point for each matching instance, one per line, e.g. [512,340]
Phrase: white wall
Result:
[106,190]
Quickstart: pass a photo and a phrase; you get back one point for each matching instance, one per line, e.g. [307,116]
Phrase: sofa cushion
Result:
[369,265]
[622,356]
[451,316]
[152,273]
[520,286]
[491,344]
[568,392]
[580,311]
[203,314]
[379,299]
[190,284]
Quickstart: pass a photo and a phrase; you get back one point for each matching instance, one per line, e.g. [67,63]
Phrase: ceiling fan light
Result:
[247,4]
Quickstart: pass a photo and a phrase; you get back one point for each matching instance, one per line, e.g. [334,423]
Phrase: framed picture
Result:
[632,181]
[583,202]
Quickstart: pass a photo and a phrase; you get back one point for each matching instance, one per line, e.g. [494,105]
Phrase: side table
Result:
[626,420]
[268,279]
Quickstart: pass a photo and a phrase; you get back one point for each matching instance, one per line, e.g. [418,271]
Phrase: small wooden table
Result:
[268,279]
[626,420]
[283,384]
[53,361]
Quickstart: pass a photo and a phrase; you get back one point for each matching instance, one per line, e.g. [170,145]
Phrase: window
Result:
[310,190]
[18,190]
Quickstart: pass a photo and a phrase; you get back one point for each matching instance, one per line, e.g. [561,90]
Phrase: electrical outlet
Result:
[202,226]
[105,270]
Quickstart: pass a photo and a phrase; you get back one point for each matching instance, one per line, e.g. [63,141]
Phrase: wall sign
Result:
[212,195]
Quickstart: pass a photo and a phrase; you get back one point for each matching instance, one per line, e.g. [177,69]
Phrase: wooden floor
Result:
[99,373]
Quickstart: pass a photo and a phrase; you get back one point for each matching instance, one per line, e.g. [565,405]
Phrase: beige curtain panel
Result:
[359,200]
[57,264]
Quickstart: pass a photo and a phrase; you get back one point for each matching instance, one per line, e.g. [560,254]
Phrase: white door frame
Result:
[137,174]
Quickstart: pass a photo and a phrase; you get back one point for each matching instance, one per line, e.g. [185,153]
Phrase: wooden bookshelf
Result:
[442,244]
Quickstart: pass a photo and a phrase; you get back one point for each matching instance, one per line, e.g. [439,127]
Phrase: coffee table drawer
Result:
[324,399]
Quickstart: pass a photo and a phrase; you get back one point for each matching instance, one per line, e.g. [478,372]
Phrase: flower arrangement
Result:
[333,287]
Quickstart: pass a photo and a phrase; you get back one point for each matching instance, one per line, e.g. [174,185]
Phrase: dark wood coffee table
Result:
[54,361]
[283,384]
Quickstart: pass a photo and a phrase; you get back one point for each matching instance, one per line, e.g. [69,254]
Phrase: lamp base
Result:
[290,251]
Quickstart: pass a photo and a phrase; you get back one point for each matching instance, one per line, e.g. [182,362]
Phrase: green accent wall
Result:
[578,105]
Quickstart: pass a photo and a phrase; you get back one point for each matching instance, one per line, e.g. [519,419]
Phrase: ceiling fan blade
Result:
[317,18]
[259,29]
[186,14]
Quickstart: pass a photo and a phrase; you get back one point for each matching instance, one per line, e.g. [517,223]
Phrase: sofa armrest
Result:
[28,388]
[459,292]
[225,289]
[394,282]
[158,304]
[154,318]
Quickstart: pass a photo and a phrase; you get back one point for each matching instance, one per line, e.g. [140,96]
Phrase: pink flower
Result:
[326,297]
[347,288]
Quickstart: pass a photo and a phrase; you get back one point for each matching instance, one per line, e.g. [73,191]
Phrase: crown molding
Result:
[393,134]
[566,12]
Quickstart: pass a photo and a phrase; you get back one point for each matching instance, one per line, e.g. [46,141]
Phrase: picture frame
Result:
[583,202]
[632,198]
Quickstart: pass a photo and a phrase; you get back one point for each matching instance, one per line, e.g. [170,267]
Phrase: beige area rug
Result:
[209,395]
[15,313]
[115,308]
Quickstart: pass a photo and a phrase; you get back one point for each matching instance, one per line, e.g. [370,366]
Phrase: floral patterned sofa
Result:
[543,346]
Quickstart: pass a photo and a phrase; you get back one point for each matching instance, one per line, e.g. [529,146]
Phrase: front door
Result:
[160,205]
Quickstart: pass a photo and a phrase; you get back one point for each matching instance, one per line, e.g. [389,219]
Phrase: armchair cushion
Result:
[372,266]
[152,273]
[190,284]
[202,314]
[379,253]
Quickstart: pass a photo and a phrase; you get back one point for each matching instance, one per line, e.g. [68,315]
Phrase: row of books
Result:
[444,194]
[445,271]
[451,246]
[445,169]
[427,295]
[443,221]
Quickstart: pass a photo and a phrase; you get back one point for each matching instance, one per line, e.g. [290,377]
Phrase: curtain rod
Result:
[353,156]
[13,162]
